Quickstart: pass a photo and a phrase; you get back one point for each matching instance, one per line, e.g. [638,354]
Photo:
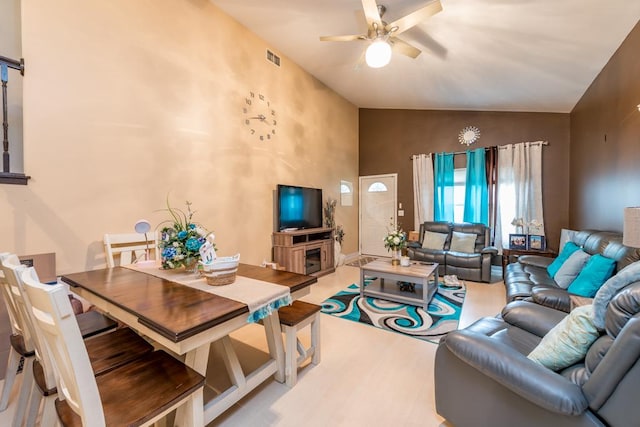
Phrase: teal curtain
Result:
[443,194]
[476,199]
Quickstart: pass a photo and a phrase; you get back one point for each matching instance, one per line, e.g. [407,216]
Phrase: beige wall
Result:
[128,101]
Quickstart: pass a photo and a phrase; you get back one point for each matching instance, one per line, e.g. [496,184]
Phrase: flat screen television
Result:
[299,207]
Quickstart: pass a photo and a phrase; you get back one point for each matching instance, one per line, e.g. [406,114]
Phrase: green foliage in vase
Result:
[181,240]
[395,239]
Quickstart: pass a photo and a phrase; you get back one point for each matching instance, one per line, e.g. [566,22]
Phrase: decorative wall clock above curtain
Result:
[469,135]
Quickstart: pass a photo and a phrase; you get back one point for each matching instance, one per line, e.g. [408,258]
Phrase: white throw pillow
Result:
[571,268]
[434,240]
[463,242]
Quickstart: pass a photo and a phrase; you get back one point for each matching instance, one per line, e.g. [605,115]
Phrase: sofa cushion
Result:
[565,253]
[463,242]
[571,268]
[597,271]
[567,343]
[433,240]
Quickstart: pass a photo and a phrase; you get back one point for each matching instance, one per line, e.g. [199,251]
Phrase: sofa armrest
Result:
[535,260]
[555,298]
[413,244]
[533,318]
[514,371]
[490,250]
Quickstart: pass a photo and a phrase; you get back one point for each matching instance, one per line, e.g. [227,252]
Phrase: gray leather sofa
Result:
[528,278]
[483,378]
[470,266]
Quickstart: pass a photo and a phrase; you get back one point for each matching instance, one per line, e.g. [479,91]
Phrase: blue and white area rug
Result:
[442,316]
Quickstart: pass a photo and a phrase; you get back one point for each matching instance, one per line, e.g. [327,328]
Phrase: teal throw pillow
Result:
[568,342]
[463,242]
[571,268]
[564,254]
[597,271]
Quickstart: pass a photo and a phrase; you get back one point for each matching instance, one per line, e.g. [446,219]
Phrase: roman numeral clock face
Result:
[259,116]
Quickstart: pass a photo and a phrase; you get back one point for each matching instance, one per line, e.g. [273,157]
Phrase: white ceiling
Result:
[491,55]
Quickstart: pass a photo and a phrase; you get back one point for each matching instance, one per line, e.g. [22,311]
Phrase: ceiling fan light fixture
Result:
[378,54]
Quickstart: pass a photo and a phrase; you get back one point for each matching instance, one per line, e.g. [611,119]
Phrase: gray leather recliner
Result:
[474,266]
[483,378]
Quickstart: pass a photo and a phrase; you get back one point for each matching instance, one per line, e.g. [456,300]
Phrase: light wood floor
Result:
[367,376]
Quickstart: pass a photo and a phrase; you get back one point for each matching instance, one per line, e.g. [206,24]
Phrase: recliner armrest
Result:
[555,298]
[413,244]
[489,250]
[535,260]
[534,318]
[514,371]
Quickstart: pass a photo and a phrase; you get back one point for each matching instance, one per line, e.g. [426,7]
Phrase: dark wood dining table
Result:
[186,321]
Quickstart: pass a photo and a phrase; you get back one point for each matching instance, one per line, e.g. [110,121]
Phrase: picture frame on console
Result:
[536,242]
[517,241]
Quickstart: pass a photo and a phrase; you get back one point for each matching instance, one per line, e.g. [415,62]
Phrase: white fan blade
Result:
[414,18]
[342,38]
[371,13]
[401,46]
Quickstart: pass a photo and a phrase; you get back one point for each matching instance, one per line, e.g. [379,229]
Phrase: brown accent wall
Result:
[388,138]
[605,143]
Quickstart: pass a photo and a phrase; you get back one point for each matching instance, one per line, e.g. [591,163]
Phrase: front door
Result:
[378,200]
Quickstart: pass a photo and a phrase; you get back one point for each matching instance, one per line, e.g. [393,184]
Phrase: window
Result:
[377,187]
[459,182]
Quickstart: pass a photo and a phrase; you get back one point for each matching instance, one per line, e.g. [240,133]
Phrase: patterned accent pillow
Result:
[568,342]
[433,240]
[463,242]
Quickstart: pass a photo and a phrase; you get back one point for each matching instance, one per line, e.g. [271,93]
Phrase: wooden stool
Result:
[293,318]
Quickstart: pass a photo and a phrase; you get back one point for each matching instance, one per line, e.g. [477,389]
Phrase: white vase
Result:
[337,249]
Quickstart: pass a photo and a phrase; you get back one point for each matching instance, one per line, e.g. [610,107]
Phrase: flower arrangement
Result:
[329,213]
[395,240]
[180,242]
[520,223]
[339,236]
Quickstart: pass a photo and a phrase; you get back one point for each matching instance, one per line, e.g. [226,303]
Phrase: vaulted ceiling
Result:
[487,55]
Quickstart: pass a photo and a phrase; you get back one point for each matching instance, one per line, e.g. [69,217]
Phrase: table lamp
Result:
[631,233]
[143,226]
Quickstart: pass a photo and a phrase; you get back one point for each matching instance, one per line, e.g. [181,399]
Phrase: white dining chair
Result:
[21,349]
[138,393]
[128,248]
[106,350]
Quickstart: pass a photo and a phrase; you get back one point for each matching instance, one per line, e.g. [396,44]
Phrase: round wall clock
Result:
[259,116]
[469,135]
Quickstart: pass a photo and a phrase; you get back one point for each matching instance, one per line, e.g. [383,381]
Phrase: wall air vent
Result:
[272,57]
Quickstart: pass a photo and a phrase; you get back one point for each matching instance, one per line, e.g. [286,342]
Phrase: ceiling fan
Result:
[383,36]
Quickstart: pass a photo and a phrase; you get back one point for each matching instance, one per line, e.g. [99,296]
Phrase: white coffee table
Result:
[385,286]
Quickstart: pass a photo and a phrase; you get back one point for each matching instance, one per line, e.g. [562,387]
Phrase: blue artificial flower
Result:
[192,226]
[182,235]
[193,244]
[169,252]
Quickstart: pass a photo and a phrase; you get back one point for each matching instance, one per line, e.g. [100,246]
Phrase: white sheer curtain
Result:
[519,188]
[422,189]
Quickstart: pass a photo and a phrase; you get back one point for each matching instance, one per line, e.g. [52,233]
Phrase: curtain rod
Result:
[499,147]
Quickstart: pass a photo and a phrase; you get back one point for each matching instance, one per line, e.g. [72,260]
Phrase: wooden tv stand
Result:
[308,251]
